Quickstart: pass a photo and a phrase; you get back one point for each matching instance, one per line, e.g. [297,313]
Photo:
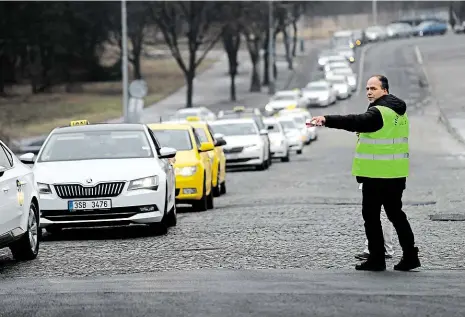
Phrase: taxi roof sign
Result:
[239,108]
[291,107]
[192,118]
[78,122]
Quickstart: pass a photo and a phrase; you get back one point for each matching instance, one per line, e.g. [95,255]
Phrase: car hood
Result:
[241,140]
[281,104]
[97,170]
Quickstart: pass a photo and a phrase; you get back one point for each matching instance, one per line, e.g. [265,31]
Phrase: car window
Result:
[155,141]
[273,128]
[6,159]
[197,139]
[178,139]
[234,129]
[201,134]
[92,145]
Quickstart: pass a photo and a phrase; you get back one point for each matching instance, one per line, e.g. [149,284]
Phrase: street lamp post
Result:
[124,39]
[271,79]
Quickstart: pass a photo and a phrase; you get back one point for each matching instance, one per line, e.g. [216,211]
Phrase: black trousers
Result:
[386,193]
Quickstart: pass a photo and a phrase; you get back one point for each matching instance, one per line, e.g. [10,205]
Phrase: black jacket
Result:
[370,121]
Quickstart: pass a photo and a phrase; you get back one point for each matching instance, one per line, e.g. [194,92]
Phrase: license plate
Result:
[232,156]
[89,204]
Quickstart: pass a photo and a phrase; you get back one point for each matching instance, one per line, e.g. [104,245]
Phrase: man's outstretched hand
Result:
[316,121]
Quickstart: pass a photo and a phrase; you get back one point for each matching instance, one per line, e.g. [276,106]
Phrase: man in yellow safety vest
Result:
[381,164]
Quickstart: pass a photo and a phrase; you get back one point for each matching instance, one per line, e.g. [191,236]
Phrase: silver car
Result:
[341,85]
[320,93]
[376,33]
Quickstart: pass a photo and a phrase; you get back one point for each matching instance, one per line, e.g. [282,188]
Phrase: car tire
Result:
[210,203]
[217,190]
[27,247]
[201,205]
[299,151]
[286,158]
[170,218]
[53,229]
[223,188]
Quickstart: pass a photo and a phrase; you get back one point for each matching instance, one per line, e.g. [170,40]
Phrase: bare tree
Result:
[254,28]
[232,40]
[198,21]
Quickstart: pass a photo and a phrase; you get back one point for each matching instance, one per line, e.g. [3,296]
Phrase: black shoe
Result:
[409,261]
[364,256]
[371,265]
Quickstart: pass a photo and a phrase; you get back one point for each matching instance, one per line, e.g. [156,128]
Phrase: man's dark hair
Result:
[384,82]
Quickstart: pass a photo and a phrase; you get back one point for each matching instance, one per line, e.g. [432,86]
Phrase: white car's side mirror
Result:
[167,153]
[27,158]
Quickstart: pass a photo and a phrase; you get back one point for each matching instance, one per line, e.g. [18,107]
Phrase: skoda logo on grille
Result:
[89,180]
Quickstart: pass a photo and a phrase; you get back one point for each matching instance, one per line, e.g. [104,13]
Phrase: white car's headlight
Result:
[44,188]
[186,170]
[150,182]
[268,107]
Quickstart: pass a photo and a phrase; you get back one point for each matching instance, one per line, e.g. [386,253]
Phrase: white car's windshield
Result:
[93,145]
[338,81]
[316,88]
[178,139]
[234,129]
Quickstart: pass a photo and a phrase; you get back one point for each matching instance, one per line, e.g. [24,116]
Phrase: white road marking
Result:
[360,70]
[418,55]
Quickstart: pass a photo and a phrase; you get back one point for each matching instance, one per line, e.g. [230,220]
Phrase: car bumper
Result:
[140,206]
[189,187]
[246,157]
[279,150]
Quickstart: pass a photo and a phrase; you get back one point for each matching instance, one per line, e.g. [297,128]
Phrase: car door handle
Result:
[6,189]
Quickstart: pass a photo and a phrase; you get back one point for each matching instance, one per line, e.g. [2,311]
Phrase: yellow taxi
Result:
[192,163]
[217,156]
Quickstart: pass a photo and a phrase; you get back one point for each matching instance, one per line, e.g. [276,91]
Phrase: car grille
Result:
[101,190]
[237,149]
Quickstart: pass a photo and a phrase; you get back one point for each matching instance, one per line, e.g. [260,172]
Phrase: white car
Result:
[19,207]
[246,144]
[202,112]
[285,98]
[293,134]
[349,73]
[335,65]
[319,93]
[300,116]
[341,85]
[104,174]
[279,144]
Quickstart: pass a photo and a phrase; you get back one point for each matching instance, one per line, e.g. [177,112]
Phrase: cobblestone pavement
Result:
[302,214]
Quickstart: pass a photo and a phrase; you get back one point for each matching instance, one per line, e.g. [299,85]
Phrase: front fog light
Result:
[148,208]
[189,191]
[144,183]
[44,188]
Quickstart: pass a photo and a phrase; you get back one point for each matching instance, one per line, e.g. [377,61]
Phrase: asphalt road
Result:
[281,242]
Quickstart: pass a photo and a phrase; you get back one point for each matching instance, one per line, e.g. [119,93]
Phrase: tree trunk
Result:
[254,52]
[266,61]
[275,68]
[190,88]
[190,75]
[294,43]
[231,43]
[287,48]
[136,67]
[232,89]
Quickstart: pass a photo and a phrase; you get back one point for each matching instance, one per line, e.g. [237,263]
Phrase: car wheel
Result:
[171,217]
[217,190]
[286,158]
[223,188]
[201,205]
[27,247]
[299,151]
[210,204]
